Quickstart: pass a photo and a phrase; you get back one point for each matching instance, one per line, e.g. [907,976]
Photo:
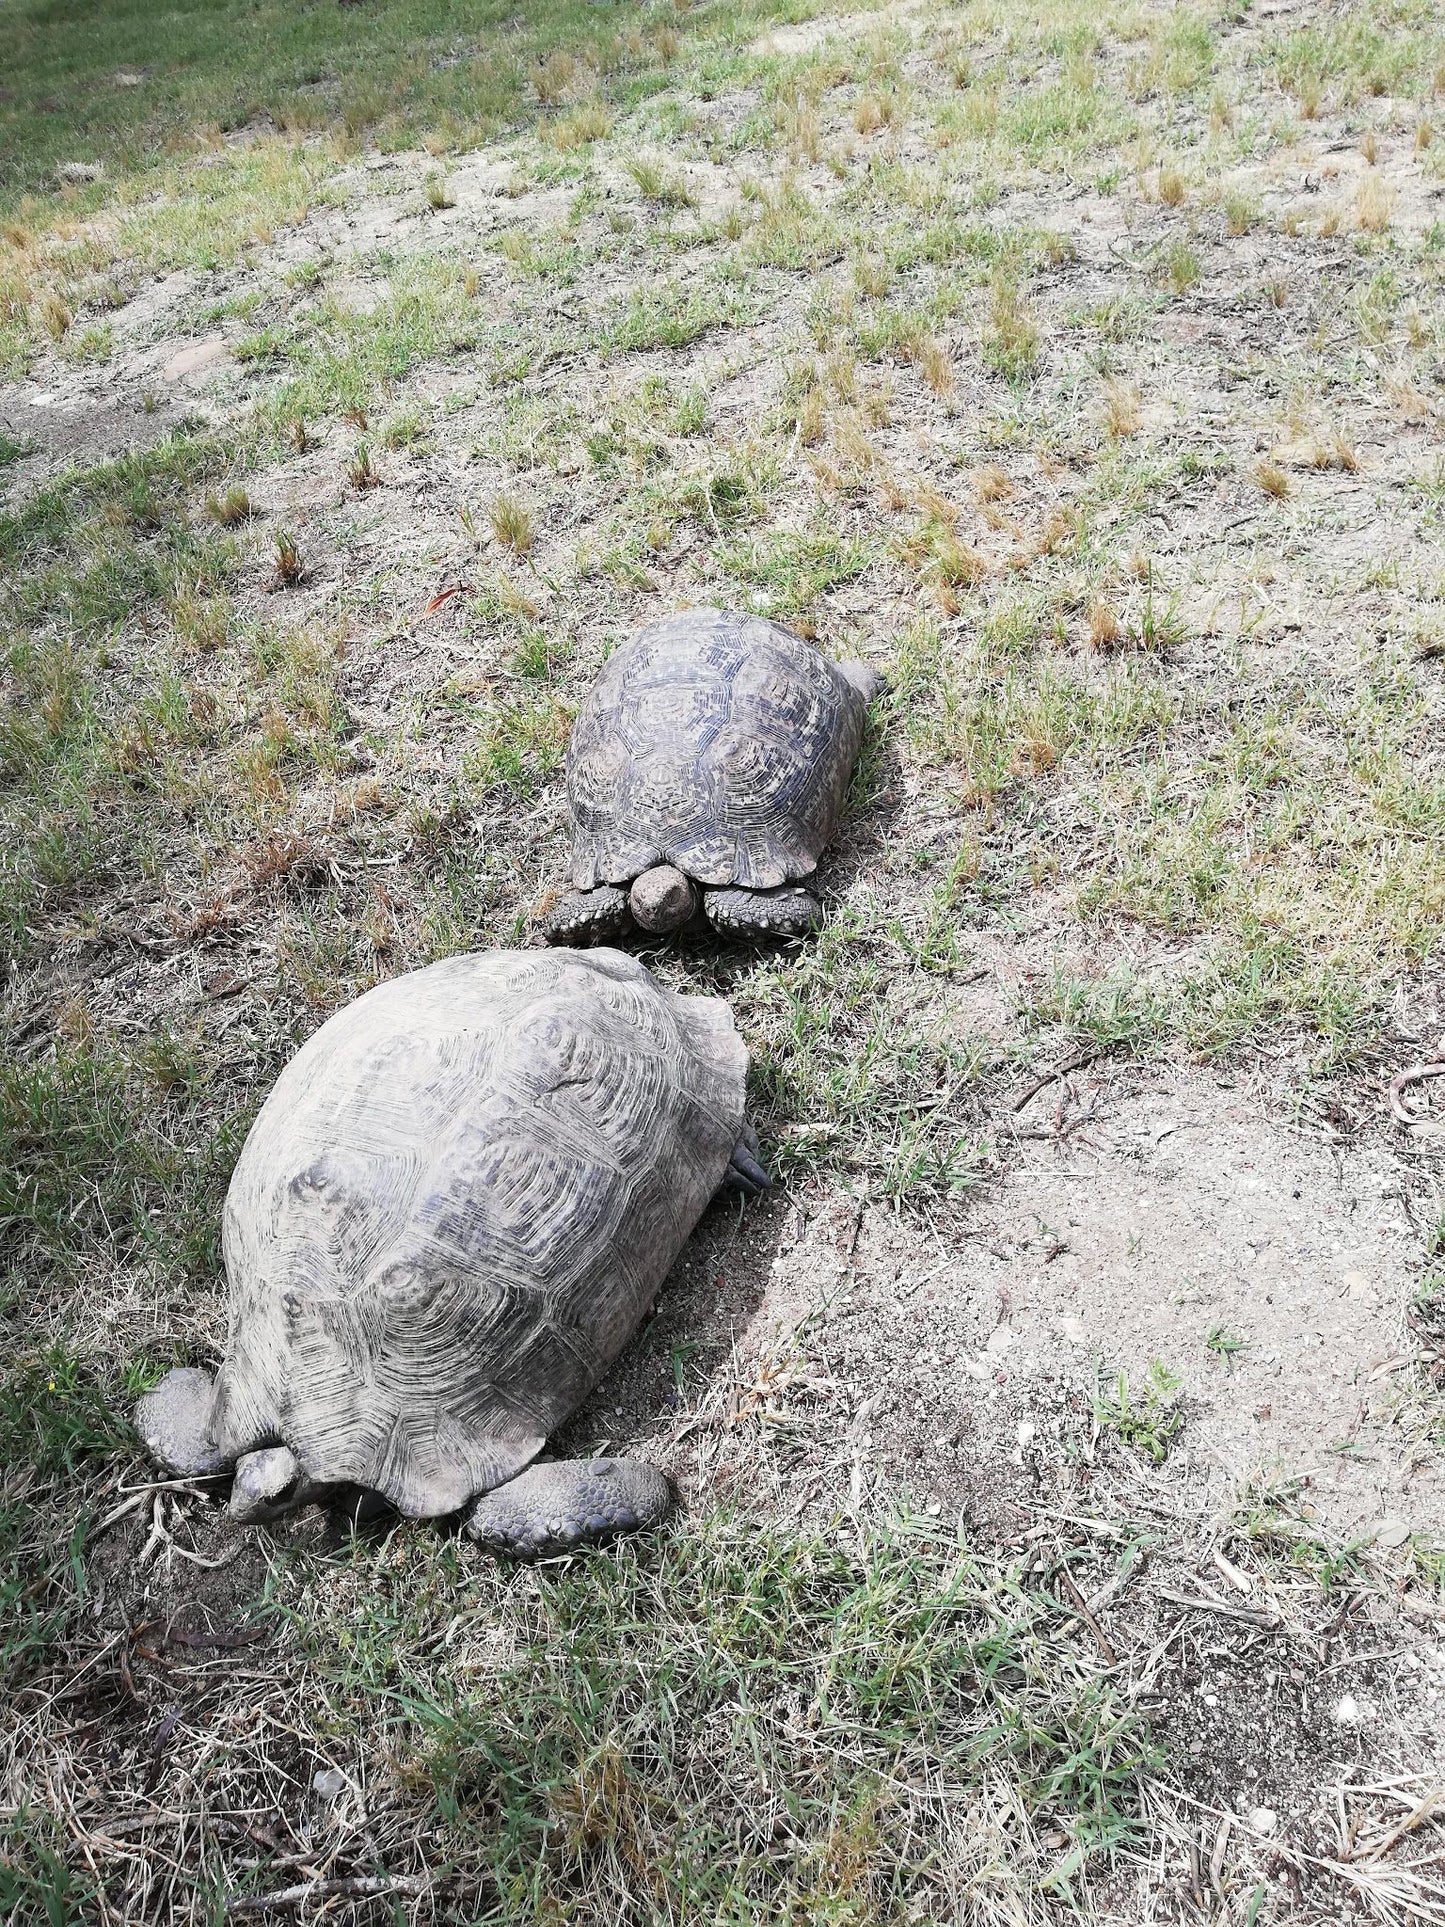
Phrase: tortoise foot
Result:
[174,1422]
[588,917]
[564,1504]
[764,915]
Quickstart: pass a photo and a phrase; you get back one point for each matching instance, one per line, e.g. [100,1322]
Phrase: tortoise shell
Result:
[456,1206]
[716,742]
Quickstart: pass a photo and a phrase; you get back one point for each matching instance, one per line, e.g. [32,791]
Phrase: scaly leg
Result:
[588,917]
[563,1504]
[761,915]
[174,1421]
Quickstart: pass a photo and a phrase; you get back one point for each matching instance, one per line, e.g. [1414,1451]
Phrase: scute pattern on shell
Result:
[714,741]
[456,1206]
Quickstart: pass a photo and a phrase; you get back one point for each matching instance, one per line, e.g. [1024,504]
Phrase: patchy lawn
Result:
[1063,1522]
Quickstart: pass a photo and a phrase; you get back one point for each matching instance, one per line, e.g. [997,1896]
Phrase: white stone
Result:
[1263,1819]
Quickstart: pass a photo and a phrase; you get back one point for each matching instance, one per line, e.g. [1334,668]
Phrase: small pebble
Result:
[1391,1532]
[329,1783]
[1263,1819]
[1347,1712]
[1027,1433]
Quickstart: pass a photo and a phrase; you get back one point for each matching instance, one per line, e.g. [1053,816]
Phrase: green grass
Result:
[388,73]
[756,1726]
[820,334]
[111,1156]
[1147,1419]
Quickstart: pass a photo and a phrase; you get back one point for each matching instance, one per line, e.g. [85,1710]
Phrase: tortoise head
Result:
[663,899]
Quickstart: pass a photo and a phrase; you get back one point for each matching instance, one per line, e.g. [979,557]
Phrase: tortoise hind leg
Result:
[587,917]
[174,1420]
[763,915]
[564,1504]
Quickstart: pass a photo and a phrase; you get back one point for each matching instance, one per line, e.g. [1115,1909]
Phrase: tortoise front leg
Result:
[588,917]
[563,1504]
[762,915]
[174,1420]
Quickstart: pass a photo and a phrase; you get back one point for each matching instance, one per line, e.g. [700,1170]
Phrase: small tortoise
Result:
[714,749]
[449,1218]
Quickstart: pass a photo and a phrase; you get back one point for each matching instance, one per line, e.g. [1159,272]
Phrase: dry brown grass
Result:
[52,314]
[589,121]
[230,507]
[1272,479]
[552,79]
[1106,632]
[868,114]
[1374,203]
[935,364]
[1123,412]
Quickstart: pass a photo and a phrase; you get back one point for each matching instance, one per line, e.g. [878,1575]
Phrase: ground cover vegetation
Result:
[370,370]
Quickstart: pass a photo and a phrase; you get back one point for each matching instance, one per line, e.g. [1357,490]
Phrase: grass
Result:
[805,321]
[868,1691]
[389,76]
[1146,1420]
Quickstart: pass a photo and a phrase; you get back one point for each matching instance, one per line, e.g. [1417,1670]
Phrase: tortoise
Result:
[705,775]
[449,1217]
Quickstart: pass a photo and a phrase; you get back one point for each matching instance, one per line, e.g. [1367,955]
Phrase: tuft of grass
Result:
[1011,339]
[552,77]
[230,508]
[934,363]
[1272,479]
[1105,629]
[1374,203]
[1149,1419]
[1241,212]
[511,522]
[587,122]
[438,195]
[1181,267]
[657,185]
[1122,412]
[361,470]
[290,565]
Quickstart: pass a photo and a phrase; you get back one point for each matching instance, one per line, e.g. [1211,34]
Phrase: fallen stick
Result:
[1070,1064]
[1416,1074]
[358,1887]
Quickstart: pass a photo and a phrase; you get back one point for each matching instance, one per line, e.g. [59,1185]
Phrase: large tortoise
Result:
[451,1214]
[714,750]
